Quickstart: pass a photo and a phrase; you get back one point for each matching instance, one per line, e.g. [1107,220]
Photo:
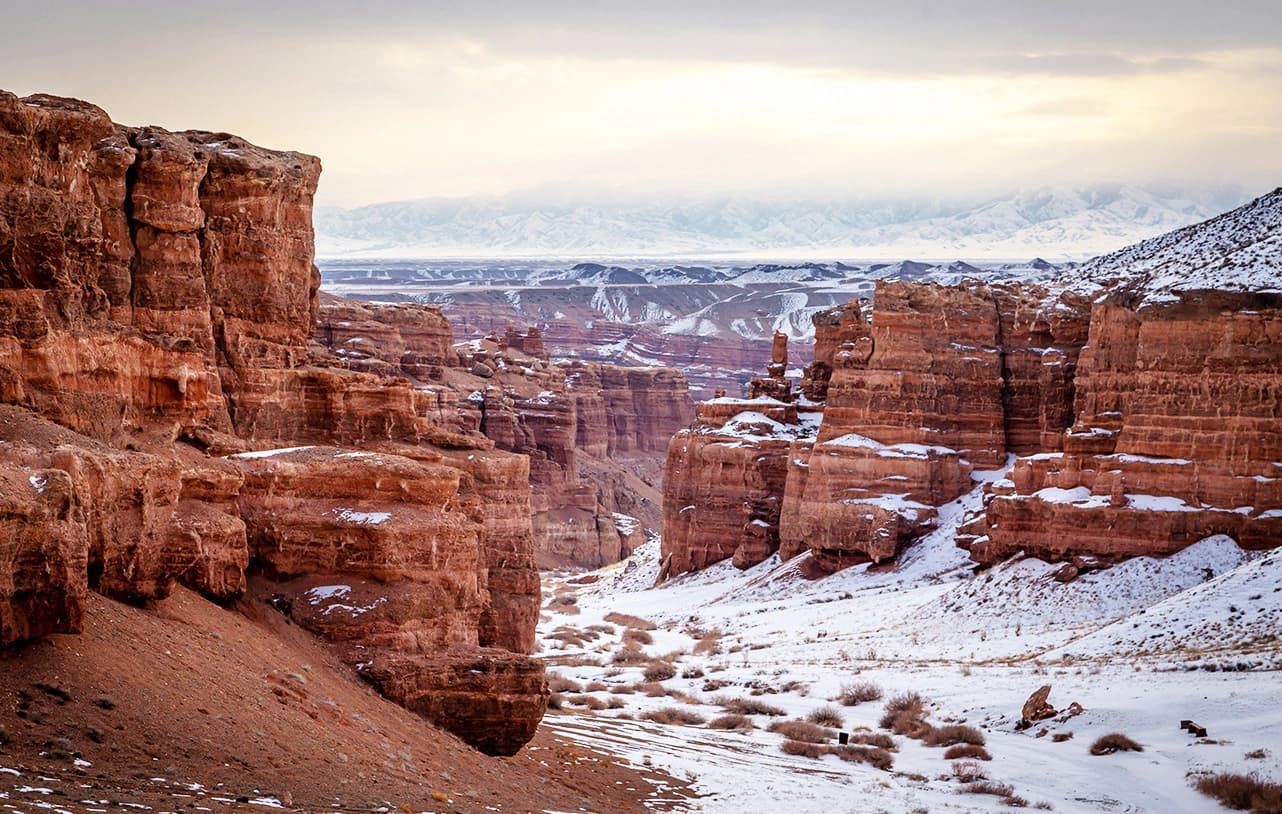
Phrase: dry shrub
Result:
[629,657]
[626,620]
[878,739]
[653,689]
[637,637]
[746,706]
[859,692]
[566,635]
[802,731]
[709,643]
[614,703]
[606,629]
[1243,792]
[623,689]
[1060,737]
[692,673]
[596,686]
[673,715]
[872,755]
[1114,742]
[967,750]
[592,702]
[565,603]
[910,703]
[804,748]
[989,787]
[659,671]
[910,726]
[952,734]
[826,716]
[736,722]
[968,771]
[559,683]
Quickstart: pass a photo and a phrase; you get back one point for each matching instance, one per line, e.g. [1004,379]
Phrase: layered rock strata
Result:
[914,401]
[594,433]
[158,304]
[1141,390]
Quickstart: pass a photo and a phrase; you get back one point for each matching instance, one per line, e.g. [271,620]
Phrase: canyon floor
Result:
[1141,647]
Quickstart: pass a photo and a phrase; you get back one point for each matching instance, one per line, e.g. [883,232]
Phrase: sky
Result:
[405,100]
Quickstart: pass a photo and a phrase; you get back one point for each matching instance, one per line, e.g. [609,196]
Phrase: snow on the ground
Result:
[1140,646]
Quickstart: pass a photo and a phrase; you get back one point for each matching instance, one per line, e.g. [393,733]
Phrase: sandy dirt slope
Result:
[188,705]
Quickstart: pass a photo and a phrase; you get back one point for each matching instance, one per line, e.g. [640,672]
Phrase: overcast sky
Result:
[820,99]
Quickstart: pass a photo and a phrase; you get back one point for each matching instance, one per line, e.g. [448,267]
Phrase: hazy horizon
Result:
[419,100]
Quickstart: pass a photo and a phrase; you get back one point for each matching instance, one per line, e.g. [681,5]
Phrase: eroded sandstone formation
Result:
[942,381]
[1141,390]
[1177,436]
[594,433]
[158,305]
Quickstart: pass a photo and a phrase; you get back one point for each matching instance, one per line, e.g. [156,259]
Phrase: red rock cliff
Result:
[158,304]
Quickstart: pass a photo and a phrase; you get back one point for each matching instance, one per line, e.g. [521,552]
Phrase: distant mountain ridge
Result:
[1051,222]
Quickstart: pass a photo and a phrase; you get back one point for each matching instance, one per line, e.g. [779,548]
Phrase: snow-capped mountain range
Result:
[1055,223]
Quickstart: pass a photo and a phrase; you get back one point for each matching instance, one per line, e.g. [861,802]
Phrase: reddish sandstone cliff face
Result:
[1177,434]
[157,310]
[594,434]
[940,382]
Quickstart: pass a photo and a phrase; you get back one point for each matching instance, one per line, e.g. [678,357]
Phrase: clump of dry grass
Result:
[735,722]
[614,703]
[989,787]
[637,637]
[623,689]
[593,703]
[1114,742]
[1060,737]
[878,739]
[629,657]
[596,686]
[653,689]
[746,706]
[659,671]
[673,715]
[802,731]
[967,751]
[826,716]
[872,755]
[859,692]
[629,621]
[803,748]
[606,629]
[1243,792]
[953,734]
[906,715]
[560,684]
[968,771]
[709,643]
[564,603]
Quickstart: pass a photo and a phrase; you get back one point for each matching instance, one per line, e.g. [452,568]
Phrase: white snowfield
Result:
[1141,646]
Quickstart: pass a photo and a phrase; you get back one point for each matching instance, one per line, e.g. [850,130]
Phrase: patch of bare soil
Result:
[191,706]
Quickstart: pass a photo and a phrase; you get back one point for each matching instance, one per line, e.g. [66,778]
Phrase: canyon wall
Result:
[594,433]
[1138,398]
[158,305]
[1177,436]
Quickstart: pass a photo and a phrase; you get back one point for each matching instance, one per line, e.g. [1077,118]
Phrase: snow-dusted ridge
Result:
[1240,250]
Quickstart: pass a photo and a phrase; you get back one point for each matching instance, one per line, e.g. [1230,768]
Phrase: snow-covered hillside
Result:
[1140,647]
[1059,223]
[1239,250]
